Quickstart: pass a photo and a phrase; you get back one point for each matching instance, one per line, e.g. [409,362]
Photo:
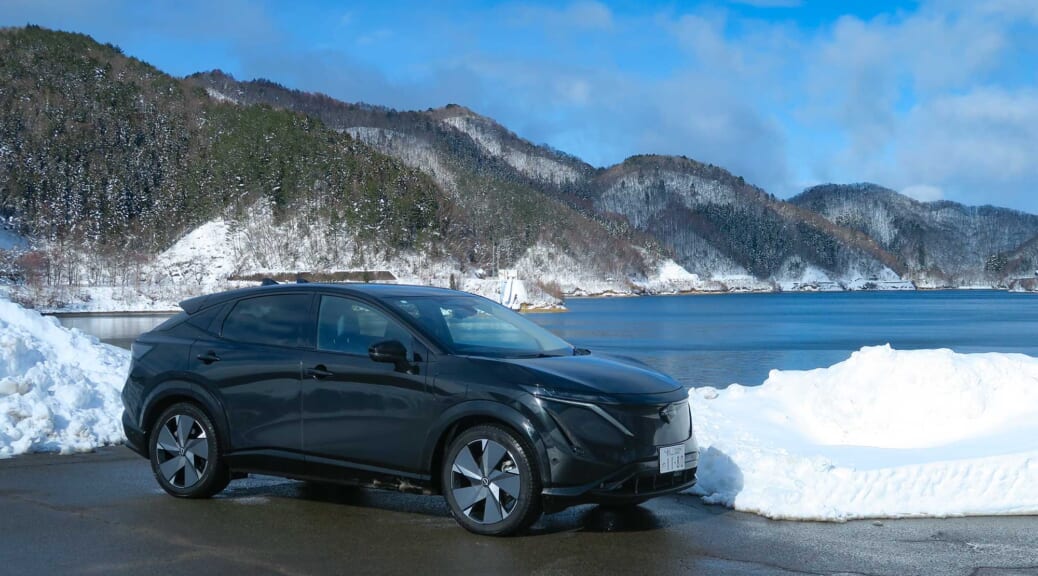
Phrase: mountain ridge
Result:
[135,159]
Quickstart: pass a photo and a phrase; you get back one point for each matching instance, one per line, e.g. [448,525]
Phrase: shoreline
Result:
[74,313]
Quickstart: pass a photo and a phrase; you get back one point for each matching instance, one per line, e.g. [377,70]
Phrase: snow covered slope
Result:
[886,433]
[59,388]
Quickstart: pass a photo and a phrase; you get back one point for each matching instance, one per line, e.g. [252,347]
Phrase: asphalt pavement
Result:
[102,513]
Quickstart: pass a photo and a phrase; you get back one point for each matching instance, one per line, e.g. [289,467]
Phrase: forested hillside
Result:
[715,220]
[106,155]
[485,164]
[516,195]
[113,173]
[939,243]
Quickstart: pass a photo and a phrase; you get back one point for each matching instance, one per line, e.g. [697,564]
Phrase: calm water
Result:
[717,340]
[116,329]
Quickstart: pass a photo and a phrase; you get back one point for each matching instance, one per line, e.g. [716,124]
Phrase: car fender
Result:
[496,411]
[188,390]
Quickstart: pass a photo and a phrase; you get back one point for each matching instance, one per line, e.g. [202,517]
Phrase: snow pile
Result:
[886,433]
[673,278]
[59,388]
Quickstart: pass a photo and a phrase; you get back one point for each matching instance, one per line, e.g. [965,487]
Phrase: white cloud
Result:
[981,143]
[586,14]
[769,3]
[924,97]
[590,14]
[923,192]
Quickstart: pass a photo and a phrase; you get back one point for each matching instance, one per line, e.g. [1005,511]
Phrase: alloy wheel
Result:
[485,481]
[183,451]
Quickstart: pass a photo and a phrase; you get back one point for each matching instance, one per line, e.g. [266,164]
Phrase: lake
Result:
[719,339]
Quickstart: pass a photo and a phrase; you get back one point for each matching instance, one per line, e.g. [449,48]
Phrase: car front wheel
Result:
[490,482]
[185,453]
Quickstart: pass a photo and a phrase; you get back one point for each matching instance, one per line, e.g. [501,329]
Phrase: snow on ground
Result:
[886,433]
[807,278]
[673,278]
[59,388]
[220,96]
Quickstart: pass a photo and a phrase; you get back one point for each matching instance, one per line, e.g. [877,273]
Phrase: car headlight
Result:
[543,396]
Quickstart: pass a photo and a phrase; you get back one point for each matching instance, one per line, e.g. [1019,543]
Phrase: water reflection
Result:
[116,329]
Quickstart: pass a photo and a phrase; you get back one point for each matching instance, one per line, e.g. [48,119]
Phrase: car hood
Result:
[597,374]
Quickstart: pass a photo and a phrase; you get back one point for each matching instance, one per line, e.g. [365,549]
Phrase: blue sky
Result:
[935,98]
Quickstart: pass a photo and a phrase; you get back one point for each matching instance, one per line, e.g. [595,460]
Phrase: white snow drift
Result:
[59,388]
[886,433]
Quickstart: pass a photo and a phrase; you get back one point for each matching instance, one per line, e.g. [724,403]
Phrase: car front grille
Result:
[656,425]
[651,482]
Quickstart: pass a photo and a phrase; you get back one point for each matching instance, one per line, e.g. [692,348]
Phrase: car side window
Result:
[345,325]
[276,320]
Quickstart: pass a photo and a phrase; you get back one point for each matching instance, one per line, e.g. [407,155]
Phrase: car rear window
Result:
[170,322]
[277,320]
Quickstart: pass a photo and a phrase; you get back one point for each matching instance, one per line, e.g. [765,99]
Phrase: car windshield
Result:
[472,325]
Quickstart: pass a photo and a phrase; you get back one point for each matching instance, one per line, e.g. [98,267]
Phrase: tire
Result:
[185,453]
[490,481]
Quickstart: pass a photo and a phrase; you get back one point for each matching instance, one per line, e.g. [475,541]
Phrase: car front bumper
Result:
[631,484]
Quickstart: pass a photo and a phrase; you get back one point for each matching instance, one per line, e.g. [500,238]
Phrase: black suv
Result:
[404,387]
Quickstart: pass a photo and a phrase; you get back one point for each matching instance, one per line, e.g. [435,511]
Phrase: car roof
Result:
[192,305]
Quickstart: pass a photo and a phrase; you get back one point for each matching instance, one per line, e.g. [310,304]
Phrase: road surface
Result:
[102,513]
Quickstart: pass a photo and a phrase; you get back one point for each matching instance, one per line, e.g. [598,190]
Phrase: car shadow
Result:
[619,519]
[585,518]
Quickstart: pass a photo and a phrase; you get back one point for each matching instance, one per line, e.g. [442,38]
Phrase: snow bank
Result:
[59,389]
[886,433]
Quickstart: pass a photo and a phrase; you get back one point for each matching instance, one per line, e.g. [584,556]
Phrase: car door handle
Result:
[209,357]
[319,371]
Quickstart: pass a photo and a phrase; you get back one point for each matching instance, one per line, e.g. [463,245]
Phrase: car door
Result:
[253,363]
[359,413]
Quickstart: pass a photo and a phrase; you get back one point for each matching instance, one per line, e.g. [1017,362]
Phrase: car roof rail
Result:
[268,282]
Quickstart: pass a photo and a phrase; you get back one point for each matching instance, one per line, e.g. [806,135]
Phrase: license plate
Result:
[672,458]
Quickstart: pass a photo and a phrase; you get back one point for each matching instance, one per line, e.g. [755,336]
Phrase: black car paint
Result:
[341,417]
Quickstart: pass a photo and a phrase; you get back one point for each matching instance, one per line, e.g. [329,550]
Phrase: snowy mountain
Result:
[107,165]
[476,158]
[938,243]
[718,224]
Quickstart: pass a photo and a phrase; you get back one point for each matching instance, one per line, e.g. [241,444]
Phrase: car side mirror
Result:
[392,352]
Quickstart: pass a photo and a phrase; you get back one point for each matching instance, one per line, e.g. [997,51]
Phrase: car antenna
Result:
[268,282]
[301,280]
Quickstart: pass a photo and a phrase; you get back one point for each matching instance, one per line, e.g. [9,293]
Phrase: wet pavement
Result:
[102,513]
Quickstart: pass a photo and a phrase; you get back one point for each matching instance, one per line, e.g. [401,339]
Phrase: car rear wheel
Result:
[185,453]
[490,482]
